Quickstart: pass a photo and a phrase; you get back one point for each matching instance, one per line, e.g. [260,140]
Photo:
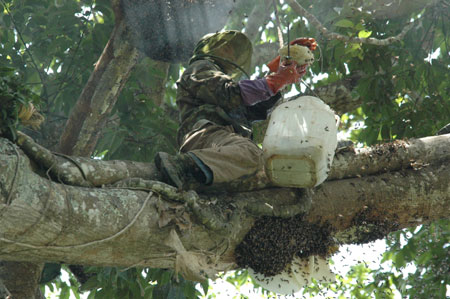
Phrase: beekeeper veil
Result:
[231,50]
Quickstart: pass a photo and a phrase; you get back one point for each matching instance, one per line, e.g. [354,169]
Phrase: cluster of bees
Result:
[273,242]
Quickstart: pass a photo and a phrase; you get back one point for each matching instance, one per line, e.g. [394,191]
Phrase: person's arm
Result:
[255,91]
[259,90]
[204,82]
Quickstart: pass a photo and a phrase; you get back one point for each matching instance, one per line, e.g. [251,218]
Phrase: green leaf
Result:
[75,292]
[424,258]
[344,23]
[165,277]
[339,51]
[189,289]
[364,34]
[7,20]
[65,292]
[205,286]
[91,295]
[92,283]
[359,27]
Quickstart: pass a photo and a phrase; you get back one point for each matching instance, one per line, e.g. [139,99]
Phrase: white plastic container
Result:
[300,142]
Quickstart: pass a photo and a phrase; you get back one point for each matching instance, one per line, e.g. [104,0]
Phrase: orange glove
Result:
[305,41]
[286,74]
[302,41]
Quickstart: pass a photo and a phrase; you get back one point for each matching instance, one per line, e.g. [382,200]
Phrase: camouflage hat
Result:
[230,49]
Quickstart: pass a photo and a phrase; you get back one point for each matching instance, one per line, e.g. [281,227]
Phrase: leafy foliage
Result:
[15,100]
[138,283]
[428,249]
[65,289]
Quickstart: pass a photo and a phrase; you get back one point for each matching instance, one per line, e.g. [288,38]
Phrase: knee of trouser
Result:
[255,152]
[252,147]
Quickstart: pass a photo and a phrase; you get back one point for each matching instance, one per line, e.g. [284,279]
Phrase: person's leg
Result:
[212,154]
[229,156]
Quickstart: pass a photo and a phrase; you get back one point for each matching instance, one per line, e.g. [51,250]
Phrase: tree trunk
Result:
[100,94]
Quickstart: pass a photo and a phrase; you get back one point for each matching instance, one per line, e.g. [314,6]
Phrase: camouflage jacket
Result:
[206,93]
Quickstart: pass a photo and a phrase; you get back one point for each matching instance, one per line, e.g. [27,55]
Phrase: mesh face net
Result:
[228,49]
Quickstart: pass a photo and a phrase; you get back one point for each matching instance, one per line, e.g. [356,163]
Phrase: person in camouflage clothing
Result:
[216,112]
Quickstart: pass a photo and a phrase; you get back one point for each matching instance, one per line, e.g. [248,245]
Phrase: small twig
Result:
[309,87]
[8,199]
[147,140]
[332,35]
[278,23]
[95,242]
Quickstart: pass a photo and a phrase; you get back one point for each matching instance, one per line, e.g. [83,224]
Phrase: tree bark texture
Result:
[20,279]
[117,226]
[99,95]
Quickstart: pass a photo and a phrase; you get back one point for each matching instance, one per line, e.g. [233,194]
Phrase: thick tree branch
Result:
[332,35]
[98,97]
[386,202]
[80,171]
[119,226]
[350,162]
[397,155]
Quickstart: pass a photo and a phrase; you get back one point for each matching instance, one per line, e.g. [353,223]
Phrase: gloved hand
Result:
[302,41]
[305,41]
[287,73]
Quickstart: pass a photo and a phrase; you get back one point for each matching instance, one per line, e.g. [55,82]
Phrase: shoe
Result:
[180,170]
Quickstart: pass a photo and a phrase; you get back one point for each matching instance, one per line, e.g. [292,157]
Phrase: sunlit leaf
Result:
[364,33]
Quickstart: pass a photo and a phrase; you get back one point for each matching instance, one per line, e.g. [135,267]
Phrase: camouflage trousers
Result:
[230,156]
